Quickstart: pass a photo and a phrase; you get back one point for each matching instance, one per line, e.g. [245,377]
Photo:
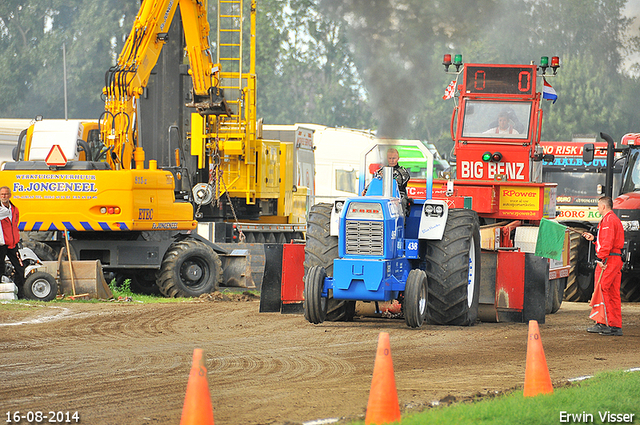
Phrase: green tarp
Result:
[550,240]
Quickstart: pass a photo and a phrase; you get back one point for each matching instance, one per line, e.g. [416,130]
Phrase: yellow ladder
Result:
[230,18]
[237,133]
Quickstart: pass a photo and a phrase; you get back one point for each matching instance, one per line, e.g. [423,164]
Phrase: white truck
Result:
[337,157]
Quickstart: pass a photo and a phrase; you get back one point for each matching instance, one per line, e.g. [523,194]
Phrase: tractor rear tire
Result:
[554,294]
[453,270]
[415,298]
[320,250]
[581,289]
[315,305]
[189,269]
[630,287]
[580,283]
[40,286]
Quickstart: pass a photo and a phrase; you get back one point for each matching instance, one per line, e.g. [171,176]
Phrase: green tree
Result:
[399,45]
[305,67]
[31,36]
[395,46]
[354,63]
[22,30]
[590,38]
[588,101]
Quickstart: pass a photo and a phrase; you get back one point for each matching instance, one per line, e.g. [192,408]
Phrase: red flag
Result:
[450,90]
[598,308]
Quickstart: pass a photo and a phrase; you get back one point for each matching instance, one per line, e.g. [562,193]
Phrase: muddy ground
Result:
[128,363]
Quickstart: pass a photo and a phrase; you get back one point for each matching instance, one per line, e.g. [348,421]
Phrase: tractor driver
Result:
[400,175]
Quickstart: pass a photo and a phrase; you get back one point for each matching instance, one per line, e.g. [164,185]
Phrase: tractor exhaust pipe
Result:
[387,182]
[611,151]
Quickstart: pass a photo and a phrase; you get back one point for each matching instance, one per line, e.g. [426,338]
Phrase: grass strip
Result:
[593,400]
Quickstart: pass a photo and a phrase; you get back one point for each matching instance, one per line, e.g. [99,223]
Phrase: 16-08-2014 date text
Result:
[38,417]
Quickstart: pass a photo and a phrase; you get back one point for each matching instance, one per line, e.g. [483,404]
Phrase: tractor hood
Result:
[628,201]
[627,208]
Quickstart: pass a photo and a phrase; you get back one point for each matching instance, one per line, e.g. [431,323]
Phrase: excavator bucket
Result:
[78,278]
[215,104]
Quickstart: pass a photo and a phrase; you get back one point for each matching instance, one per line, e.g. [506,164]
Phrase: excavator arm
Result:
[125,81]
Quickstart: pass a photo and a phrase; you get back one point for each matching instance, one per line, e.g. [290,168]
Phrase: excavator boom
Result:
[125,81]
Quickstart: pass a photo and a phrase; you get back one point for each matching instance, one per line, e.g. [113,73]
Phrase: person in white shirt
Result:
[10,237]
[505,126]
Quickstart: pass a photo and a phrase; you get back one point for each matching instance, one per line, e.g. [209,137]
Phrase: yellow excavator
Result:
[133,215]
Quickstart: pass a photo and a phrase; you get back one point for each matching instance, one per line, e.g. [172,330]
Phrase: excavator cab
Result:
[77,138]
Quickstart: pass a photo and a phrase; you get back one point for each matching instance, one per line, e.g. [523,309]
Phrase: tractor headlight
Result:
[339,205]
[631,225]
[433,210]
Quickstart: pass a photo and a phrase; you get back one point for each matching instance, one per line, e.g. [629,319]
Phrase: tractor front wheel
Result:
[315,305]
[320,250]
[415,298]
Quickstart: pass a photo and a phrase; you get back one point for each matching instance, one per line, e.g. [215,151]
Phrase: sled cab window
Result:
[491,119]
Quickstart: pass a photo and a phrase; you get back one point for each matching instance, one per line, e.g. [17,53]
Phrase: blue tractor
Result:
[428,260]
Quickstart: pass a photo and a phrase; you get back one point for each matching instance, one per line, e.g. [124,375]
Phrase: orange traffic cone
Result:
[383,407]
[197,408]
[536,376]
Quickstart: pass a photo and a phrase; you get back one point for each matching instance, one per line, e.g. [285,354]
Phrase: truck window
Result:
[22,142]
[347,181]
[632,177]
[576,188]
[496,119]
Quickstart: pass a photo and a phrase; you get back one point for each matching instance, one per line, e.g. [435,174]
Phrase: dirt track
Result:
[128,363]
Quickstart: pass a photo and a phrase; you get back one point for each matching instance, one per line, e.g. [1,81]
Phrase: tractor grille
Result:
[365,238]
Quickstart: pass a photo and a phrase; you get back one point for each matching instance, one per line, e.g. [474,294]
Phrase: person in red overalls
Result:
[10,236]
[609,244]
